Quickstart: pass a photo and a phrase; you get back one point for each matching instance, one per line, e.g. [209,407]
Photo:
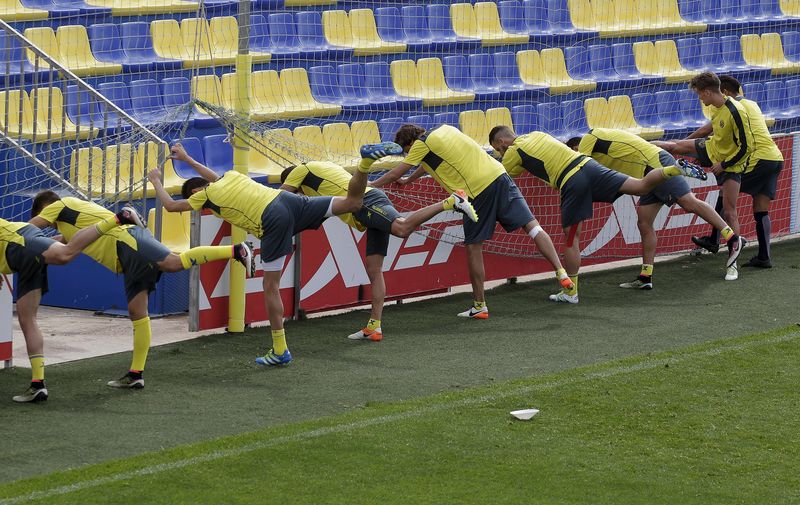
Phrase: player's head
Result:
[407,135]
[706,85]
[286,172]
[500,137]
[42,200]
[729,85]
[192,186]
[574,142]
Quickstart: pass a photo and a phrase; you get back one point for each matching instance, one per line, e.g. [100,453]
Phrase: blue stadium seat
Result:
[378,83]
[259,35]
[644,110]
[326,88]
[731,13]
[754,91]
[147,104]
[311,36]
[282,39]
[392,31]
[82,109]
[457,76]
[414,19]
[577,60]
[731,49]
[53,10]
[791,45]
[625,63]
[689,53]
[195,150]
[559,18]
[776,103]
[668,111]
[793,95]
[117,92]
[388,126]
[691,10]
[535,15]
[218,153]
[512,16]
[177,92]
[423,120]
[448,118]
[441,28]
[12,51]
[691,112]
[574,118]
[137,44]
[525,119]
[551,119]
[83,7]
[507,74]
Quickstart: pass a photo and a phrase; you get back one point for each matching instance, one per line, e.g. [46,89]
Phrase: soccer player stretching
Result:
[760,178]
[134,252]
[631,155]
[456,162]
[580,181]
[378,217]
[726,152]
[24,249]
[269,214]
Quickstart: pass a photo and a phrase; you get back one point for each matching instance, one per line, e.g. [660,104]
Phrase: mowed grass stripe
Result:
[107,476]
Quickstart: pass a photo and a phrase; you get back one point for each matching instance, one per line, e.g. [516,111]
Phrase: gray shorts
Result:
[763,180]
[377,215]
[702,153]
[667,193]
[501,202]
[28,260]
[285,217]
[729,176]
[140,265]
[592,183]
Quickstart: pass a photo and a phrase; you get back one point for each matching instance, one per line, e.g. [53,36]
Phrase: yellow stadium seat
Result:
[790,7]
[297,96]
[45,39]
[15,11]
[774,55]
[668,15]
[482,22]
[225,40]
[309,144]
[266,99]
[86,170]
[197,39]
[753,52]
[76,54]
[228,86]
[145,7]
[94,171]
[661,59]
[339,145]
[168,42]
[49,106]
[581,14]
[18,105]
[425,80]
[208,89]
[500,116]
[627,18]
[472,123]
[176,229]
[270,152]
[596,114]
[357,30]
[305,3]
[364,132]
[620,116]
[548,68]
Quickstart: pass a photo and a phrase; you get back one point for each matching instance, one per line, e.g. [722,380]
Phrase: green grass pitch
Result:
[678,395]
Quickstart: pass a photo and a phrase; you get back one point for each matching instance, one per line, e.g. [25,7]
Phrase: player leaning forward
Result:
[580,181]
[456,162]
[271,215]
[377,216]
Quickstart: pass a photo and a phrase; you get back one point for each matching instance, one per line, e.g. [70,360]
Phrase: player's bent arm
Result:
[176,205]
[392,175]
[203,171]
[40,222]
[286,187]
[702,132]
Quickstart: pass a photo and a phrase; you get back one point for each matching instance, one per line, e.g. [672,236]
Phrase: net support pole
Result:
[241,150]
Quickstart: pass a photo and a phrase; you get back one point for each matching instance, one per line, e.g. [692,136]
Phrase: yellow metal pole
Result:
[241,151]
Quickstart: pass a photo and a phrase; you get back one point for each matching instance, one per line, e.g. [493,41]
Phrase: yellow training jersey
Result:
[764,148]
[454,160]
[9,235]
[621,151]
[237,199]
[544,156]
[732,141]
[71,215]
[323,178]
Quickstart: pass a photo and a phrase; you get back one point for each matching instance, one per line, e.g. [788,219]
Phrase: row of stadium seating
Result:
[667,111]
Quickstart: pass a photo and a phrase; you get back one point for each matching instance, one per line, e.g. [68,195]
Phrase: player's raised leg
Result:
[242,252]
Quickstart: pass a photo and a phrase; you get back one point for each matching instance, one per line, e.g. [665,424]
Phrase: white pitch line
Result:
[375,421]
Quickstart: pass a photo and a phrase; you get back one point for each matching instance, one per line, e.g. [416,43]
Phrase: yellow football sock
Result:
[365,164]
[106,225]
[574,290]
[204,254]
[373,324]
[726,233]
[279,341]
[449,203]
[478,305]
[37,367]
[647,270]
[670,172]
[141,343]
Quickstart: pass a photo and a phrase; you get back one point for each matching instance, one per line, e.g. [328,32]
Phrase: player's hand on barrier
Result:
[177,152]
[403,181]
[154,175]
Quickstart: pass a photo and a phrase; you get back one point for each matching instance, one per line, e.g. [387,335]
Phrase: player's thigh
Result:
[377,242]
[486,207]
[576,200]
[30,267]
[731,184]
[512,210]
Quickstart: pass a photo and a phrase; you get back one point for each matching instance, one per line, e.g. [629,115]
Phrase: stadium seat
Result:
[54,10]
[390,30]
[690,109]
[325,87]
[17,106]
[379,88]
[472,123]
[498,116]
[574,118]
[793,95]
[512,17]
[790,8]
[339,145]
[357,30]
[12,52]
[731,52]
[15,11]
[218,153]
[388,126]
[194,149]
[448,118]
[482,72]
[561,17]
[266,100]
[277,34]
[225,41]
[425,79]
[147,105]
[509,81]
[549,68]
[75,54]
[137,44]
[661,58]
[440,26]
[767,51]
[624,18]
[271,145]
[525,119]
[145,7]
[689,53]
[81,107]
[297,96]
[791,45]
[422,120]
[668,109]
[48,105]
[311,36]
[617,113]
[190,42]
[106,173]
[457,77]
[207,88]
[755,91]
[776,103]
[482,21]
[551,120]
[176,93]
[365,132]
[644,110]
[118,93]
[309,144]
[107,46]
[710,52]
[175,229]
